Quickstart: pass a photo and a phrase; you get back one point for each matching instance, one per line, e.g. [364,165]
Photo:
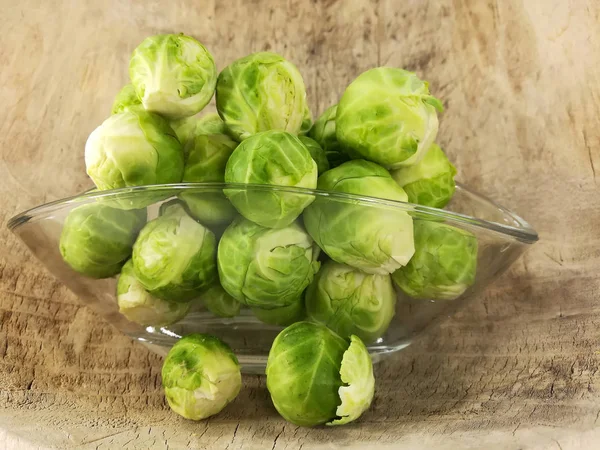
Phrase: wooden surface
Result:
[520,80]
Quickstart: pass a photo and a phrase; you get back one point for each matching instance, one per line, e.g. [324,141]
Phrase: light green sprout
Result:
[430,182]
[307,122]
[323,132]
[141,307]
[211,124]
[125,99]
[174,256]
[184,129]
[219,302]
[314,376]
[200,375]
[261,92]
[388,116]
[174,75]
[283,316]
[317,153]
[274,158]
[444,264]
[208,154]
[208,151]
[188,127]
[349,301]
[133,148]
[96,239]
[210,208]
[263,267]
[376,239]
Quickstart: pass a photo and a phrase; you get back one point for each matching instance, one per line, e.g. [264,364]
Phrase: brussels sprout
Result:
[211,124]
[275,158]
[264,267]
[307,122]
[387,115]
[125,99]
[174,256]
[188,127]
[133,148]
[141,307]
[323,131]
[211,208]
[208,154]
[376,239]
[184,129]
[315,377]
[174,75]
[219,302]
[207,157]
[444,264]
[96,239]
[430,182]
[317,153]
[201,375]
[351,302]
[284,316]
[261,92]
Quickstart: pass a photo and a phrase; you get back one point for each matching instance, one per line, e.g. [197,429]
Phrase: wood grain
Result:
[520,80]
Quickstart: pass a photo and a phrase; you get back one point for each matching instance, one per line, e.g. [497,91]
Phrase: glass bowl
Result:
[501,238]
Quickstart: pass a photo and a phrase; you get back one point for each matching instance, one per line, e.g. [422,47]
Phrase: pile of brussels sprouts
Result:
[324,269]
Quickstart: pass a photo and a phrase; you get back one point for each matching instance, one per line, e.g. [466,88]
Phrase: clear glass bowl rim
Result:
[524,232]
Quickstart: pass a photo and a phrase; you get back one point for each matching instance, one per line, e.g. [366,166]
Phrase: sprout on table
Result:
[314,376]
[200,375]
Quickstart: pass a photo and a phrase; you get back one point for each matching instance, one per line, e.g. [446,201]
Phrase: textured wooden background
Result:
[520,80]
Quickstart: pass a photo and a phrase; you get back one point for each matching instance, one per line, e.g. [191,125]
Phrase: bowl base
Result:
[247,335]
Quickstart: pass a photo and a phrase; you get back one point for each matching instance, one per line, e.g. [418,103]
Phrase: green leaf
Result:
[359,383]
